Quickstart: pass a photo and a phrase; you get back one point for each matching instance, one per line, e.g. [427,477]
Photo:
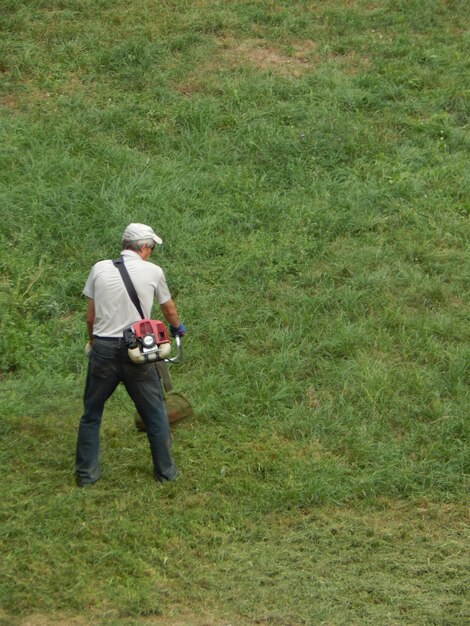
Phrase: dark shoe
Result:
[84,483]
[168,480]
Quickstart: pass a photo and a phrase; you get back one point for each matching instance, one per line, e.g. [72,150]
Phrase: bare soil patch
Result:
[263,56]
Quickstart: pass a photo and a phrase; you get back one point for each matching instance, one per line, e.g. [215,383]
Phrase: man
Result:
[110,311]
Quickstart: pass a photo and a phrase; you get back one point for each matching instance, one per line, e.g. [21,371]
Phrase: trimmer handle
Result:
[179,351]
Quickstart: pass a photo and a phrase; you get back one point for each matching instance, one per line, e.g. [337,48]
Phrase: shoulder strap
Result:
[119,263]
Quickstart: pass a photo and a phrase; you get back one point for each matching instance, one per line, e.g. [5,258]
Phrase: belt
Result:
[111,339]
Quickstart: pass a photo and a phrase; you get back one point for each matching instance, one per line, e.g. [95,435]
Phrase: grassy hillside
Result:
[306,164]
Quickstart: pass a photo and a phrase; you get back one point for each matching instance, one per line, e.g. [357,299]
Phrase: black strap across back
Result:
[119,263]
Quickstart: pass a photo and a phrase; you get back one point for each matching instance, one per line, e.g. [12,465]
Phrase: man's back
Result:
[114,310]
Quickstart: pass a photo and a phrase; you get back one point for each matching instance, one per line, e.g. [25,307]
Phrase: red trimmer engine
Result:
[148,341]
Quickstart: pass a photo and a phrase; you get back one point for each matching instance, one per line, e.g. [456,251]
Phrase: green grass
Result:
[307,167]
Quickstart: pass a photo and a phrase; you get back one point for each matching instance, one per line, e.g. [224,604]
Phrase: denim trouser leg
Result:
[143,385]
[109,365]
[102,380]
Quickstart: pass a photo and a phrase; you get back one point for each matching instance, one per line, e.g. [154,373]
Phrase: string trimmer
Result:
[177,406]
[147,341]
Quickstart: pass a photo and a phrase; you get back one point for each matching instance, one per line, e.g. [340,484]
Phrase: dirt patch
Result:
[9,102]
[189,87]
[29,95]
[294,62]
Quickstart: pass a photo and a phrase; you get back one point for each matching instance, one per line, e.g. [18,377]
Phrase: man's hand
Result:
[88,348]
[178,331]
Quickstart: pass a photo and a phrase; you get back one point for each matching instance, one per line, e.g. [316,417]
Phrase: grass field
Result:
[307,165]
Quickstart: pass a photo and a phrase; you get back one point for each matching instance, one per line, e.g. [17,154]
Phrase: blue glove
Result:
[178,331]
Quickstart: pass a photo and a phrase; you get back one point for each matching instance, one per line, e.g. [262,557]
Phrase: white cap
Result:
[134,232]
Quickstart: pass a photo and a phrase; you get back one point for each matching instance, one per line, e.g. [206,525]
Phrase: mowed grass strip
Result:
[130,556]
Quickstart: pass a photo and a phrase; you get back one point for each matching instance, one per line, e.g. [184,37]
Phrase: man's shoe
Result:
[171,480]
[84,483]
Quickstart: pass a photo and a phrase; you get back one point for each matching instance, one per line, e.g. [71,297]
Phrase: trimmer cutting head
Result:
[177,406]
[177,409]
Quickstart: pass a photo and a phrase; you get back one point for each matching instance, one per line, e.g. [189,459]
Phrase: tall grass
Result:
[307,167]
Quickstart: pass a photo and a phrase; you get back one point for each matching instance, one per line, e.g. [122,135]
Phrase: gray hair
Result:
[137,244]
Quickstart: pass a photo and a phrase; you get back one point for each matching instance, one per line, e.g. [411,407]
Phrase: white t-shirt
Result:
[114,310]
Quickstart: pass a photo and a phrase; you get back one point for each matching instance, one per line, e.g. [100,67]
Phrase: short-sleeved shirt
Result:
[114,310]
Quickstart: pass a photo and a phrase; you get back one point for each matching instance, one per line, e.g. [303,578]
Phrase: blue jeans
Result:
[109,365]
